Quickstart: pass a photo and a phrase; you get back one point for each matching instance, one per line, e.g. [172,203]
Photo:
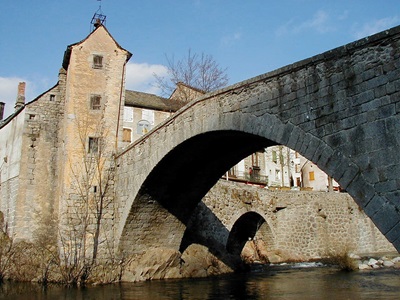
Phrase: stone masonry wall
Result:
[339,109]
[29,172]
[304,225]
[90,138]
[8,194]
[37,203]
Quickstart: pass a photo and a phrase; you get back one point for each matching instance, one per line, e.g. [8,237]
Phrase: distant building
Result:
[143,111]
[309,176]
[279,167]
[185,93]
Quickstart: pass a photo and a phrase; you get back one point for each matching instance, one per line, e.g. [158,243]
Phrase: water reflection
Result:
[289,283]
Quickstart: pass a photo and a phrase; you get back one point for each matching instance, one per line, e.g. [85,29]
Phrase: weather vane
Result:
[98,18]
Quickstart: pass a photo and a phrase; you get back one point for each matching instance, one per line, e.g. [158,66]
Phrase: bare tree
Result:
[7,251]
[91,181]
[199,71]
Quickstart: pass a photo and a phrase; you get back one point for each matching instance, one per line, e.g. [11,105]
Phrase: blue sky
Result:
[248,38]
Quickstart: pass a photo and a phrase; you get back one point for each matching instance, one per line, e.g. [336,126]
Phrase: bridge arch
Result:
[338,109]
[250,226]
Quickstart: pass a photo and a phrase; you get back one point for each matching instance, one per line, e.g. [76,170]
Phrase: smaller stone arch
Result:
[251,229]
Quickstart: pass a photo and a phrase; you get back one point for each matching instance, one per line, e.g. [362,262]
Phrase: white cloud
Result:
[9,90]
[344,15]
[231,39]
[375,26]
[319,23]
[140,77]
[8,93]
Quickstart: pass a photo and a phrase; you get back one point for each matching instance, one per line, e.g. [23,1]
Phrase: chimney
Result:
[21,96]
[2,104]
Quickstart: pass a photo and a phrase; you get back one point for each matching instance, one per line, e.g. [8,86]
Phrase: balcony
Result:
[245,177]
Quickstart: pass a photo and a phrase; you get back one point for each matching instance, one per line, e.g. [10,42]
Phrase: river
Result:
[285,282]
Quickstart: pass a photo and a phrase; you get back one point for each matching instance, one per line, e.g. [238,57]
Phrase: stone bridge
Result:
[339,109]
[286,225]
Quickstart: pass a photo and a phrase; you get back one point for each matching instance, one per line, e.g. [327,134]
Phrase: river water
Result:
[287,282]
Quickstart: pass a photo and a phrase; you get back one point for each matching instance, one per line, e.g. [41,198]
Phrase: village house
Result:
[47,144]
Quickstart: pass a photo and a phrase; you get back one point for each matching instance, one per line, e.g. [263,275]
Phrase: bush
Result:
[6,255]
[343,261]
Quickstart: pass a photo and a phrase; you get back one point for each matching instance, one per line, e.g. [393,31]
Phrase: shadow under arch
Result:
[165,202]
[184,176]
[246,228]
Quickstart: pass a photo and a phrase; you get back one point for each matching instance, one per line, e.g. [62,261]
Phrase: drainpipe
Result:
[121,92]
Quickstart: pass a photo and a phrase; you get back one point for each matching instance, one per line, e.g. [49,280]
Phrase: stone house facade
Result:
[30,156]
[142,112]
[47,144]
[279,167]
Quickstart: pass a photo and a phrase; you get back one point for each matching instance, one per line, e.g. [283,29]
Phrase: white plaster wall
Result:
[10,159]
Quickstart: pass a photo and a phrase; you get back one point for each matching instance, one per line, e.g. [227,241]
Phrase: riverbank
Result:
[370,262]
[348,262]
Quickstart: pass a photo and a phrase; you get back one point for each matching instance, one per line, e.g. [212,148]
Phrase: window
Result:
[128,114]
[31,117]
[274,157]
[277,174]
[148,115]
[97,61]
[127,135]
[232,172]
[52,97]
[93,145]
[311,176]
[95,102]
[254,160]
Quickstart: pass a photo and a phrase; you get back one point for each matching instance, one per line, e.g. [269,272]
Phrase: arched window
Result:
[143,127]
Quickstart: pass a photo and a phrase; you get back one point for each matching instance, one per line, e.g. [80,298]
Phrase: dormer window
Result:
[97,61]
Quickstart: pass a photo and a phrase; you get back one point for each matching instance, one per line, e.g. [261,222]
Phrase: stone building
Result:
[143,111]
[279,167]
[185,93]
[310,177]
[55,148]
